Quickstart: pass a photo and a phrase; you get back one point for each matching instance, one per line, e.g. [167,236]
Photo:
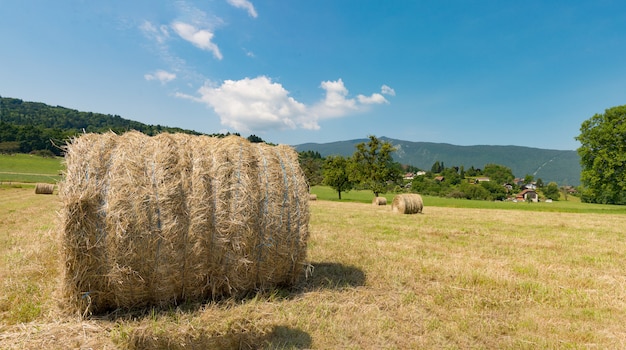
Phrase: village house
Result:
[527,194]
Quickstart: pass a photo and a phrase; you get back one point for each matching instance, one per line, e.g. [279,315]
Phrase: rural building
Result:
[527,194]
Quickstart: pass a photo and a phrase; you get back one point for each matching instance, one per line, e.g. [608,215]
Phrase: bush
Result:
[45,153]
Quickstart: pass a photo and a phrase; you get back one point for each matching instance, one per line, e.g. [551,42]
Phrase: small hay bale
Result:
[312,197]
[379,201]
[407,204]
[170,218]
[44,189]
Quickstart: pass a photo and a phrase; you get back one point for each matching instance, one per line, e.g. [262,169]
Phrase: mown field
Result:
[455,277]
[26,168]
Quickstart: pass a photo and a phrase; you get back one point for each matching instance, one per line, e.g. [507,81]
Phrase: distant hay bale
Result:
[158,220]
[312,197]
[379,201]
[407,204]
[44,189]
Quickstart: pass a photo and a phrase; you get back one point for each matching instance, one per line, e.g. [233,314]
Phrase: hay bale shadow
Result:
[330,275]
[283,337]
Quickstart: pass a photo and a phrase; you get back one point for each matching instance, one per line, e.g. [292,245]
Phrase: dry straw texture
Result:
[410,203]
[158,220]
[312,197]
[44,189]
[379,201]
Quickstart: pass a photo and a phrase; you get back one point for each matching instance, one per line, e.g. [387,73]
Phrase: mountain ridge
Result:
[560,166]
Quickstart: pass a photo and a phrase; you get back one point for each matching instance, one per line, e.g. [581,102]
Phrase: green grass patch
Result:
[565,206]
[30,168]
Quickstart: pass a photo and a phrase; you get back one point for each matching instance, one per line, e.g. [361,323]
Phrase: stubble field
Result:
[452,278]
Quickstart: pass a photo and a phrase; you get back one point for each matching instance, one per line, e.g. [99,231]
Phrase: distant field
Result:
[451,278]
[29,168]
[572,205]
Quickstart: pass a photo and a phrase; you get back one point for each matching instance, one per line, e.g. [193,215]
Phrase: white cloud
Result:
[259,104]
[386,90]
[337,104]
[373,99]
[255,105]
[160,75]
[200,38]
[246,5]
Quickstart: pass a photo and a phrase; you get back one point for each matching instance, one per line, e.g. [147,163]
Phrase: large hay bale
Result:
[312,197]
[407,204]
[44,189]
[379,201]
[158,220]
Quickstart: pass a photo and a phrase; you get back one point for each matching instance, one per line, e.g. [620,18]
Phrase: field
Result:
[519,277]
[29,168]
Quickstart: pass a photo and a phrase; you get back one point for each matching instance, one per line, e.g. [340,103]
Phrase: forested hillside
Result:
[33,126]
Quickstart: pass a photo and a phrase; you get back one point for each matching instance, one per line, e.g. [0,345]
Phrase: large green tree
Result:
[603,157]
[373,165]
[499,174]
[335,172]
[552,191]
[311,163]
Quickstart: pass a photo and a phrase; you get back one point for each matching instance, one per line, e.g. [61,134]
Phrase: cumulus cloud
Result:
[386,90]
[246,5]
[256,104]
[259,104]
[337,104]
[201,38]
[160,75]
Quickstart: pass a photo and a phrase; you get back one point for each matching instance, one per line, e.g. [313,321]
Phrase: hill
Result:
[562,167]
[29,126]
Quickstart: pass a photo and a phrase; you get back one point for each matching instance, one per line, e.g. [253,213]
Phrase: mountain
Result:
[562,167]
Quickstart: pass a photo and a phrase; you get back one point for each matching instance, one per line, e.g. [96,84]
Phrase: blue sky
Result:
[524,73]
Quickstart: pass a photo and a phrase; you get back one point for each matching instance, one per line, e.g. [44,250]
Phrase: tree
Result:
[498,173]
[496,190]
[255,139]
[528,179]
[335,171]
[373,165]
[603,157]
[552,191]
[437,167]
[311,163]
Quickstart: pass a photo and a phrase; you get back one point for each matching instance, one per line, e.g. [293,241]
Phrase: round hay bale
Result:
[44,189]
[159,220]
[312,197]
[379,201]
[407,204]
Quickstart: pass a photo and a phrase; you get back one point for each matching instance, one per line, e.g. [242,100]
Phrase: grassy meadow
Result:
[26,168]
[455,277]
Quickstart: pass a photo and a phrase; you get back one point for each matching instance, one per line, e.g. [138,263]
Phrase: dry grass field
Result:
[450,278]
